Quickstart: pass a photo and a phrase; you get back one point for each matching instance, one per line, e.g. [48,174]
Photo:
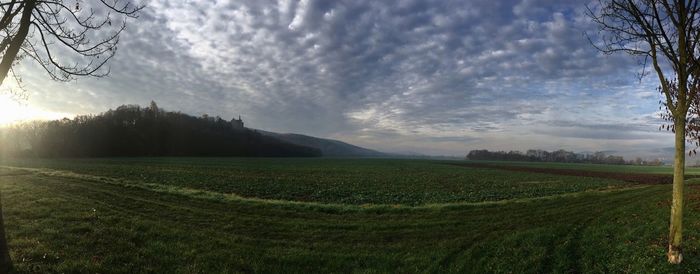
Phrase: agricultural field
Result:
[336,181]
[596,167]
[228,215]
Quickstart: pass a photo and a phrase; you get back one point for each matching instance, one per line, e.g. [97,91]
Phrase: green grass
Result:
[344,181]
[67,222]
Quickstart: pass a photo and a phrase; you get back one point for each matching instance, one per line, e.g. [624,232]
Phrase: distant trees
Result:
[561,156]
[664,33]
[131,130]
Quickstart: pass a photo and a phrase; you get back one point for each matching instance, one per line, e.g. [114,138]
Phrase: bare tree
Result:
[665,33]
[67,38]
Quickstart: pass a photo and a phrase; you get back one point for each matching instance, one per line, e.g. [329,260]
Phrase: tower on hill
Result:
[237,124]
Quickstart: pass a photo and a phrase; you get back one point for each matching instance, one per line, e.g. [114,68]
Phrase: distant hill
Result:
[328,147]
[131,130]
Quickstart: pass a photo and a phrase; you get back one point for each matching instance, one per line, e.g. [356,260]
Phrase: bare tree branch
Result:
[87,37]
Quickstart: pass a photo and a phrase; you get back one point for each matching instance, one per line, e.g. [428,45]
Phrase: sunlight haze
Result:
[14,110]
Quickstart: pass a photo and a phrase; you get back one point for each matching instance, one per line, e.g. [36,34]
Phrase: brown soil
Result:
[637,178]
[692,196]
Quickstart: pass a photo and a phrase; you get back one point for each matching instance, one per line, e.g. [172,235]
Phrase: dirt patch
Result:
[637,178]
[692,196]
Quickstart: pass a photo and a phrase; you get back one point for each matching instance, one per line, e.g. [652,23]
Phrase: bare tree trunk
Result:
[16,43]
[5,260]
[5,65]
[675,235]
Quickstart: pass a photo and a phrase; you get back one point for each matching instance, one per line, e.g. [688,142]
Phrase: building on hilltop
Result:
[237,124]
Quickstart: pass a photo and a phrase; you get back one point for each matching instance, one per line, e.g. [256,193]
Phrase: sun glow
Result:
[14,111]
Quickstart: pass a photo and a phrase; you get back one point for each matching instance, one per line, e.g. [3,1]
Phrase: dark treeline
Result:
[132,130]
[561,156]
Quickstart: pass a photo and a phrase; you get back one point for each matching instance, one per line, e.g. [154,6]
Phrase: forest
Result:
[132,130]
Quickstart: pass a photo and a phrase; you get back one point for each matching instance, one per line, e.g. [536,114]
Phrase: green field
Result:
[335,181]
[219,215]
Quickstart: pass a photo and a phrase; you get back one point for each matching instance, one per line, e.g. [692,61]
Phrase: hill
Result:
[328,147]
[131,130]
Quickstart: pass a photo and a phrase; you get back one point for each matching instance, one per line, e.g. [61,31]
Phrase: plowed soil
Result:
[637,178]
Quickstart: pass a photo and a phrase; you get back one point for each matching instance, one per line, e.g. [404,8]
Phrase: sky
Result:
[429,77]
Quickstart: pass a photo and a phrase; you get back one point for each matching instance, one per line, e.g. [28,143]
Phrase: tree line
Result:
[131,130]
[561,156]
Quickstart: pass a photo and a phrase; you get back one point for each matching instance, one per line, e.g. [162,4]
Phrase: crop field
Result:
[229,215]
[338,181]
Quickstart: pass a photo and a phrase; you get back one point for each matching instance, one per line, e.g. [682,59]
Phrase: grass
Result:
[60,222]
[344,181]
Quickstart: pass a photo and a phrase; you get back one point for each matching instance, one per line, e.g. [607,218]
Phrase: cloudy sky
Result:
[432,77]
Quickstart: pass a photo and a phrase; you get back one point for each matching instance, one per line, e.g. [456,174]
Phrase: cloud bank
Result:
[433,77]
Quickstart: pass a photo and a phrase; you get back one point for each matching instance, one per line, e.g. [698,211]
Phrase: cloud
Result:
[435,77]
[572,129]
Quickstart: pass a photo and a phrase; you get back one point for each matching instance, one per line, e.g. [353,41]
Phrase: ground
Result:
[203,215]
